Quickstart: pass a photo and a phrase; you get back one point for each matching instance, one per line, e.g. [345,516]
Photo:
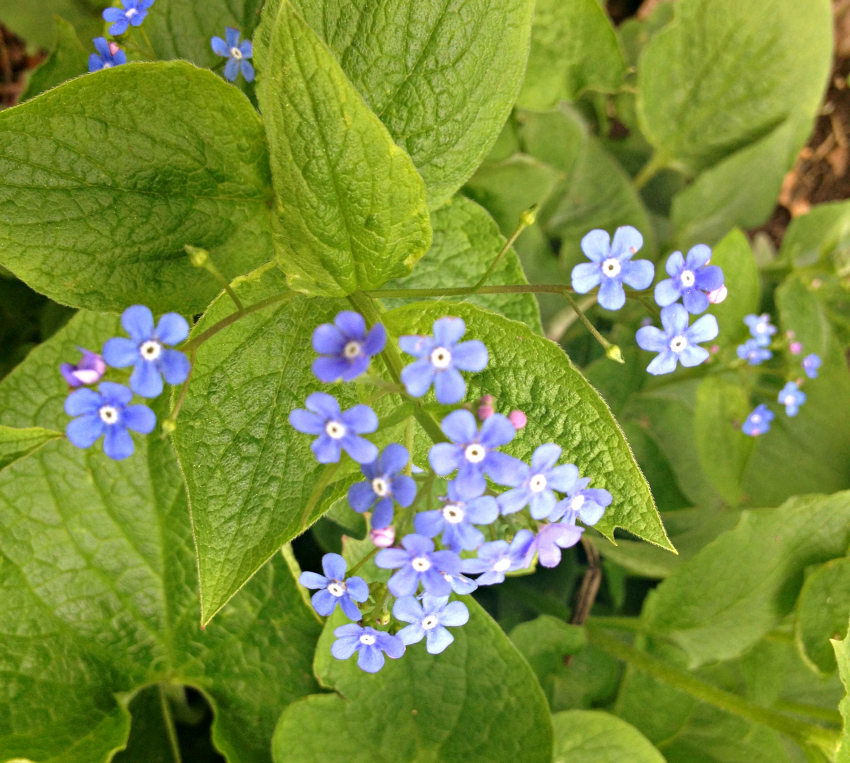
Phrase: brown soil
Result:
[14,64]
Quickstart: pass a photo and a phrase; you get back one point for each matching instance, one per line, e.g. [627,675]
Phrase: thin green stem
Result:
[649,171]
[376,381]
[175,412]
[363,561]
[461,291]
[526,219]
[611,350]
[325,480]
[648,305]
[408,443]
[169,725]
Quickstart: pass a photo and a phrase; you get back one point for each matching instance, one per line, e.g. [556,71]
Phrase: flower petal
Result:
[612,296]
[596,245]
[117,443]
[350,609]
[139,418]
[675,265]
[483,510]
[695,301]
[586,276]
[417,345]
[312,580]
[352,324]
[674,318]
[437,639]
[324,602]
[306,422]
[469,482]
[460,427]
[146,379]
[449,386]
[542,504]
[357,588]
[326,450]
[665,363]
[562,478]
[172,329]
[219,47]
[698,256]
[231,69]
[470,356]
[418,376]
[496,431]
[668,291]
[138,322]
[502,468]
[362,420]
[115,394]
[693,355]
[445,457]
[410,634]
[328,339]
[408,609]
[429,523]
[709,278]
[513,501]
[120,352]
[231,35]
[703,330]
[376,340]
[362,451]
[651,338]
[175,366]
[404,490]
[448,331]
[334,566]
[627,241]
[392,558]
[83,401]
[404,582]
[344,647]
[84,431]
[382,516]
[323,404]
[545,457]
[638,274]
[330,369]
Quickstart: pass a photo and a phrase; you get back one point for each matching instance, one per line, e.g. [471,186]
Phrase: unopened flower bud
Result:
[790,334]
[614,353]
[169,426]
[485,407]
[795,347]
[528,218]
[718,295]
[113,48]
[518,419]
[714,349]
[383,538]
[89,370]
[197,256]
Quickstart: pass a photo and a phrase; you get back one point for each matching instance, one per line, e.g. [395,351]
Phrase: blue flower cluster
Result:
[108,413]
[447,544]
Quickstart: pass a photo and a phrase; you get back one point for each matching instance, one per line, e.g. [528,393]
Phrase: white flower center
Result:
[421,564]
[150,350]
[502,565]
[108,414]
[129,14]
[367,639]
[577,502]
[611,267]
[688,279]
[441,358]
[756,418]
[336,588]
[236,53]
[537,483]
[452,513]
[107,66]
[381,487]
[351,350]
[475,453]
[335,430]
[430,622]
[677,344]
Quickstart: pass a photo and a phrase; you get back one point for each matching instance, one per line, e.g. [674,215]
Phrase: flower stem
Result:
[168,720]
[175,412]
[649,171]
[611,350]
[525,220]
[325,480]
[363,561]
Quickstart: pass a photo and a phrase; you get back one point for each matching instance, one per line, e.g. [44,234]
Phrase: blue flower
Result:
[474,454]
[108,414]
[582,502]
[811,364]
[498,557]
[440,358]
[236,54]
[147,352]
[334,588]
[429,620]
[460,584]
[612,266]
[416,562]
[549,542]
[345,348]
[336,430]
[758,422]
[384,484]
[89,370]
[677,343]
[761,328]
[456,519]
[792,397]
[692,280]
[370,645]
[134,13]
[536,485]
[108,55]
[754,352]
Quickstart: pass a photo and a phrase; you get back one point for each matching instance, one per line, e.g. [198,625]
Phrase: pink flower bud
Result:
[113,48]
[789,334]
[518,419]
[89,370]
[715,348]
[383,538]
[795,347]
[718,295]
[485,407]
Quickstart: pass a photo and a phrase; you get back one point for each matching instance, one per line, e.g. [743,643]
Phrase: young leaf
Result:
[822,613]
[591,736]
[17,443]
[99,595]
[118,171]
[734,256]
[69,59]
[477,701]
[351,209]
[532,374]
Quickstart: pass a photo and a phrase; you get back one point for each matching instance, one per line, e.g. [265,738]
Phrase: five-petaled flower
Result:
[440,357]
[384,483]
[89,370]
[134,13]
[334,588]
[460,584]
[761,328]
[754,352]
[498,557]
[370,644]
[237,54]
[758,422]
[146,350]
[108,55]
[678,343]
[612,266]
[429,620]
[416,562]
[549,542]
[811,364]
[345,347]
[792,397]
[107,413]
[456,520]
[474,453]
[692,279]
[582,502]
[536,485]
[337,430]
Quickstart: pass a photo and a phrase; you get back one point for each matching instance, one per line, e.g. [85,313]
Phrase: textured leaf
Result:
[99,595]
[17,443]
[478,701]
[117,171]
[591,736]
[822,612]
[535,375]
[351,211]
[724,74]
[842,657]
[441,74]
[573,48]
[741,585]
[466,241]
[735,256]
[68,59]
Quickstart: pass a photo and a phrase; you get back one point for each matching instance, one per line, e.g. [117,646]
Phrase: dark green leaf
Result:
[69,59]
[17,443]
[149,733]
[591,736]
[822,612]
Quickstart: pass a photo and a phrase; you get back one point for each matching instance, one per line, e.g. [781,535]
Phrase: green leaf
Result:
[478,701]
[735,256]
[654,465]
[466,241]
[842,657]
[99,594]
[119,170]
[17,443]
[573,48]
[740,586]
[35,22]
[69,59]
[442,75]
[822,613]
[534,375]
[149,733]
[813,237]
[351,209]
[591,736]
[724,74]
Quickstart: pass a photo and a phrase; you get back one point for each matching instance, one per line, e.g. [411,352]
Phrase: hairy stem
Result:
[526,219]
[611,350]
[363,561]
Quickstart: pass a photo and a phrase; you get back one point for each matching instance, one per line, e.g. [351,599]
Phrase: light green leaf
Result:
[573,48]
[69,59]
[591,736]
[99,594]
[534,375]
[735,256]
[813,237]
[36,23]
[442,76]
[17,443]
[466,241]
[351,209]
[741,585]
[477,701]
[118,171]
[842,657]
[822,612]
[725,74]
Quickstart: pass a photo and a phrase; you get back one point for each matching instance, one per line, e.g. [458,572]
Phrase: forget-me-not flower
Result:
[384,483]
[761,328]
[460,584]
[147,350]
[582,502]
[792,397]
[371,645]
[337,430]
[416,562]
[498,557]
[429,620]
[334,588]
[758,422]
[133,14]
[549,542]
[692,280]
[456,520]
[108,413]
[536,485]
[89,370]
[612,266]
[237,54]
[754,352]
[811,364]
[441,358]
[345,347]
[677,343]
[108,55]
